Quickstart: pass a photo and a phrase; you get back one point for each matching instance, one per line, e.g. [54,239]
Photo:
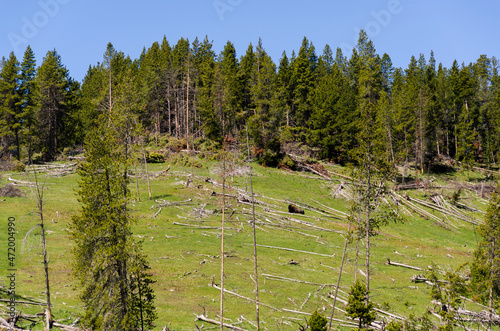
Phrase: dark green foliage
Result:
[485,267]
[108,264]
[394,326]
[419,113]
[153,157]
[55,106]
[10,108]
[357,306]
[317,322]
[447,293]
[26,89]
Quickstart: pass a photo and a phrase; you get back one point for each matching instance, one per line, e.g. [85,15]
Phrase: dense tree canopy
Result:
[422,112]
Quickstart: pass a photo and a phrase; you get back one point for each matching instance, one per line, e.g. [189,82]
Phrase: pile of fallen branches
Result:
[11,323]
[413,185]
[483,317]
[9,190]
[53,169]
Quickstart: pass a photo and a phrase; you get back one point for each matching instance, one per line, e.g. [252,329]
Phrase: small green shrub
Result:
[153,157]
[317,322]
[394,326]
[185,161]
[357,307]
[18,166]
[286,162]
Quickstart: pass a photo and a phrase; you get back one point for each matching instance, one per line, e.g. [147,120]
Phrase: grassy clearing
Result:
[185,259]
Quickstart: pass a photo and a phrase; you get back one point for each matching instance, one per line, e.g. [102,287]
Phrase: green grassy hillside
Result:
[183,244]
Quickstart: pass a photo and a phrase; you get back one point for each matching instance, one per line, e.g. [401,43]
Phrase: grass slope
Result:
[186,258]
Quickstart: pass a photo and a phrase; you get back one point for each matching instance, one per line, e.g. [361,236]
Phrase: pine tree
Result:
[493,114]
[204,62]
[369,152]
[53,111]
[247,74]
[283,96]
[108,263]
[10,108]
[443,108]
[27,88]
[303,81]
[264,123]
[485,268]
[317,322]
[358,307]
[333,116]
[232,99]
[153,88]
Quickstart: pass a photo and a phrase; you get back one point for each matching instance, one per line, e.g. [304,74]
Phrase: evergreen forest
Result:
[187,91]
[292,189]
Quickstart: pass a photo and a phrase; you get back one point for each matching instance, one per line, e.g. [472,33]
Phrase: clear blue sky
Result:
[80,29]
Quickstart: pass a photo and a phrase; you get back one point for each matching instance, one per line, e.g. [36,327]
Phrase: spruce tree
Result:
[317,322]
[109,265]
[231,88]
[264,123]
[204,62]
[358,307]
[283,92]
[26,89]
[485,268]
[53,111]
[10,108]
[303,81]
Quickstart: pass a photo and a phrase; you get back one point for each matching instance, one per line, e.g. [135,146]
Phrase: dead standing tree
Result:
[254,239]
[38,195]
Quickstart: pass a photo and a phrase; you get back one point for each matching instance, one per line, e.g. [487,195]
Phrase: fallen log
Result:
[25,302]
[332,209]
[421,279]
[163,203]
[486,170]
[294,280]
[65,327]
[451,212]
[389,262]
[242,297]
[208,320]
[205,227]
[294,250]
[296,312]
[21,182]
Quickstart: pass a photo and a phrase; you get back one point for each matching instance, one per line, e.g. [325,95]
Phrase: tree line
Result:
[189,92]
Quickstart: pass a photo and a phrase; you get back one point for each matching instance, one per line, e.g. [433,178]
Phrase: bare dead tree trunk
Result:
[389,136]
[340,274]
[492,275]
[157,116]
[456,136]
[356,259]
[176,114]
[110,90]
[221,312]
[137,182]
[187,105]
[169,110]
[437,142]
[256,280]
[367,229]
[147,173]
[39,201]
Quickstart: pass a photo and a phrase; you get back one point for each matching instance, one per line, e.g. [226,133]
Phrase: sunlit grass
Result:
[186,259]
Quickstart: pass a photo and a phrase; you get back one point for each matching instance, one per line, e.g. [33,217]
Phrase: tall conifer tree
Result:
[10,108]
